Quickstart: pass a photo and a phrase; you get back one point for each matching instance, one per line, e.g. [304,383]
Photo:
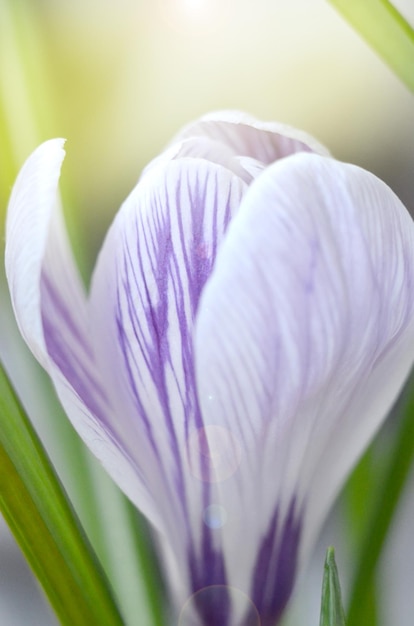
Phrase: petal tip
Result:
[31,206]
[43,165]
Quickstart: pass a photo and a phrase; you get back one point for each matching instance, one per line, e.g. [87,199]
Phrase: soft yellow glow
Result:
[191,17]
[194,5]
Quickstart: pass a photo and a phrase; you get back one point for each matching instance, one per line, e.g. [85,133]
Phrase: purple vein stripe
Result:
[275,568]
[208,573]
[71,354]
[167,254]
[69,351]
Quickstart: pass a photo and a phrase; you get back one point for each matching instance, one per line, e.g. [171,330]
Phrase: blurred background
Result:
[118,78]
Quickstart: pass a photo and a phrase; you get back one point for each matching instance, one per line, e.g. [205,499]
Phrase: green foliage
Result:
[360,495]
[384,28]
[332,613]
[384,507]
[41,518]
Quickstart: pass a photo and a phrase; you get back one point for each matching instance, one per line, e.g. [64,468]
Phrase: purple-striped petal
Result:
[145,292]
[31,208]
[304,337]
[51,307]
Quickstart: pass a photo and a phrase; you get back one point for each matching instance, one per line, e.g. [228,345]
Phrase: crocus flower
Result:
[248,327]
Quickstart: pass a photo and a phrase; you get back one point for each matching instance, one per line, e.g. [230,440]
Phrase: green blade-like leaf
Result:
[37,510]
[384,508]
[385,29]
[332,612]
[360,495]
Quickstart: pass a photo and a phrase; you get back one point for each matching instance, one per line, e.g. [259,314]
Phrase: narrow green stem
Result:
[386,30]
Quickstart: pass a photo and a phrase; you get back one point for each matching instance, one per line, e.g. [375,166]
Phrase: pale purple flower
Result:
[249,325]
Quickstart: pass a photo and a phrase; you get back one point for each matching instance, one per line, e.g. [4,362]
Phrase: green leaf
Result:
[382,512]
[332,613]
[44,524]
[385,29]
[360,495]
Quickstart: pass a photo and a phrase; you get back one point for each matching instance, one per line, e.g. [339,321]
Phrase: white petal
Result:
[304,337]
[238,142]
[211,150]
[246,136]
